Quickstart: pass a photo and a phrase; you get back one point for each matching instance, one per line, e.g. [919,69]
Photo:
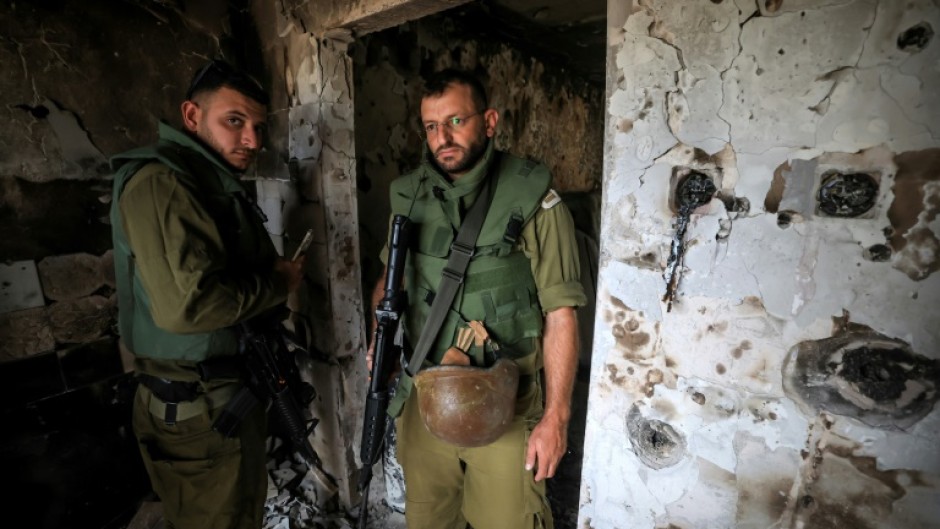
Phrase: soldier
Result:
[472,453]
[192,259]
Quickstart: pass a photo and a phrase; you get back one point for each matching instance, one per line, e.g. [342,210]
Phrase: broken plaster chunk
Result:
[73,276]
[81,320]
[865,375]
[283,476]
[25,333]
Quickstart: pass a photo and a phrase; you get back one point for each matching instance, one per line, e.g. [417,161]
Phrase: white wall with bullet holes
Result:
[793,381]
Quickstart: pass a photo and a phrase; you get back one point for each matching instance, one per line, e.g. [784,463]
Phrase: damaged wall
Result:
[73,94]
[792,379]
[311,185]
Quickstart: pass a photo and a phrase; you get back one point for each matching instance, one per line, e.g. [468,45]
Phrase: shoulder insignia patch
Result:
[550,199]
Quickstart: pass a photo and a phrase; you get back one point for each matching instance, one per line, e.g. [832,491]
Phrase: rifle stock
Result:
[387,351]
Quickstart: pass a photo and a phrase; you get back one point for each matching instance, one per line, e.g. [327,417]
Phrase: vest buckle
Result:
[463,249]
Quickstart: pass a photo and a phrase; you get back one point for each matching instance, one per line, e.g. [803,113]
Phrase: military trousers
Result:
[204,480]
[447,487]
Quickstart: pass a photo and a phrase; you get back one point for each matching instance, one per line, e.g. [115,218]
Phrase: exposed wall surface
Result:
[81,81]
[792,378]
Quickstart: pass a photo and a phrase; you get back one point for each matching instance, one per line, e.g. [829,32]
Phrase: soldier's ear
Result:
[491,118]
[191,114]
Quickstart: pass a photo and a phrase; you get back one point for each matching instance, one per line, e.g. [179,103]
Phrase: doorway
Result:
[551,101]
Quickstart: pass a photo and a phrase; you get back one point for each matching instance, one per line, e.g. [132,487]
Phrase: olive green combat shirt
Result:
[181,258]
[548,240]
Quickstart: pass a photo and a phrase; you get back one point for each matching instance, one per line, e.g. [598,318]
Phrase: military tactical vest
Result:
[499,289]
[243,236]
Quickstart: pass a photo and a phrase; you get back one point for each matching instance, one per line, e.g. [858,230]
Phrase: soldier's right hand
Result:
[293,271]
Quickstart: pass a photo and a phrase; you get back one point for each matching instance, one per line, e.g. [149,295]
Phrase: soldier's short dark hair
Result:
[439,81]
[218,73]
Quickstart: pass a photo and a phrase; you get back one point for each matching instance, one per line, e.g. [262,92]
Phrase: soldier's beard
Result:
[472,154]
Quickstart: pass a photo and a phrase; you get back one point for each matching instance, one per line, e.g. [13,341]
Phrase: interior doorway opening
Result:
[543,65]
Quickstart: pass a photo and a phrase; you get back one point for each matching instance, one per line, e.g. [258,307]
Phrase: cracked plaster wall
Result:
[700,416]
[73,95]
[81,81]
[314,187]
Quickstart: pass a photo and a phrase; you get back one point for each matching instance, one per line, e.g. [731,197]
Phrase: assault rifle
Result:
[388,341]
[271,375]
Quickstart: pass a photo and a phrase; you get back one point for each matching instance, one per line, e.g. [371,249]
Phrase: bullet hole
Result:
[862,374]
[780,51]
[877,253]
[719,327]
[772,5]
[38,112]
[759,71]
[716,2]
[656,443]
[698,398]
[873,372]
[784,219]
[720,369]
[915,38]
[772,415]
[847,195]
[807,501]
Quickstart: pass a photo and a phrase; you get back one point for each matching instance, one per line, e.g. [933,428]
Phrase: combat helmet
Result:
[468,406]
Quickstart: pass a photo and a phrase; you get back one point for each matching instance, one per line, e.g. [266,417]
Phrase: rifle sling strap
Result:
[461,252]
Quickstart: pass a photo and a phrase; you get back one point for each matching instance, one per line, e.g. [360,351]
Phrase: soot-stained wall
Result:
[81,81]
[766,347]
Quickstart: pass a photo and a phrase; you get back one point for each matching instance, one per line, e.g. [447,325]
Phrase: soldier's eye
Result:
[456,121]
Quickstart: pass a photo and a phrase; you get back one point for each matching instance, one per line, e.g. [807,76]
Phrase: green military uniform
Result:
[510,283]
[192,259]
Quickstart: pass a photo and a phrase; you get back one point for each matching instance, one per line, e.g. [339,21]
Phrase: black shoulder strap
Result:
[461,251]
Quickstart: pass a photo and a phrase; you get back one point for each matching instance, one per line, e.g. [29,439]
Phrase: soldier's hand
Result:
[547,444]
[293,271]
